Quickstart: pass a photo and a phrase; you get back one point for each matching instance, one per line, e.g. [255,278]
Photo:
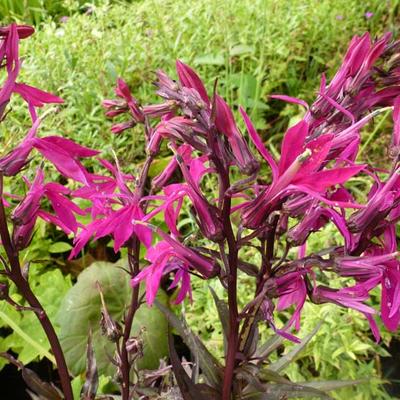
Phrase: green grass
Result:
[254,48]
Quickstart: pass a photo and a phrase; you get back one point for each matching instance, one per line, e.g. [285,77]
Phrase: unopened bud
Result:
[134,346]
[109,328]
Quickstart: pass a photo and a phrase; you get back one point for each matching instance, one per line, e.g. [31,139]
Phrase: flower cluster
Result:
[305,194]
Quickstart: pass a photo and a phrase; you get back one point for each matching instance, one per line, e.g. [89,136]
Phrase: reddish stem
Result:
[134,267]
[230,362]
[15,275]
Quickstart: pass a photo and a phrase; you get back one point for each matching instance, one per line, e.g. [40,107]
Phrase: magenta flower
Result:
[185,151]
[16,160]
[351,297]
[171,255]
[25,214]
[23,32]
[188,78]
[381,200]
[126,104]
[224,120]
[35,97]
[226,124]
[298,170]
[291,290]
[65,155]
[120,223]
[208,218]
[164,260]
[9,51]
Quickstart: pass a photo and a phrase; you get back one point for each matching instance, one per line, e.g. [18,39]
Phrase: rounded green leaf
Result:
[81,310]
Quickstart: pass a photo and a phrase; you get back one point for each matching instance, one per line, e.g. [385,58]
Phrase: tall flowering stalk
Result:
[275,214]
[28,210]
[317,158]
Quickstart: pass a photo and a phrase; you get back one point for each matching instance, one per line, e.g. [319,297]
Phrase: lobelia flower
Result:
[9,58]
[225,123]
[208,218]
[298,170]
[25,214]
[127,105]
[120,223]
[9,51]
[316,217]
[65,155]
[367,79]
[390,279]
[100,189]
[185,151]
[35,97]
[171,255]
[183,130]
[267,309]
[207,215]
[349,297]
[12,163]
[383,198]
[62,152]
[291,289]
[224,120]
[164,260]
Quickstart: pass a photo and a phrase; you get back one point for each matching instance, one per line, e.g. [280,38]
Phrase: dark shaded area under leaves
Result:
[13,386]
[391,369]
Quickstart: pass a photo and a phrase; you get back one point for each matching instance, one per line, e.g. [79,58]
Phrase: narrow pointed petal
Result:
[292,145]
[254,136]
[289,99]
[189,78]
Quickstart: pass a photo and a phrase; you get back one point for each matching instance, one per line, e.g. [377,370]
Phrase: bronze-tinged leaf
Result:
[266,349]
[334,385]
[189,390]
[280,391]
[285,360]
[210,367]
[223,313]
[91,384]
[38,388]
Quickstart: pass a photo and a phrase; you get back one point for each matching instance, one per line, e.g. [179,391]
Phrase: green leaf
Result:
[241,49]
[60,247]
[158,165]
[28,339]
[210,59]
[80,310]
[334,385]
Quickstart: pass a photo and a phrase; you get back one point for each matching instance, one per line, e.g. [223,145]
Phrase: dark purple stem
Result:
[134,267]
[264,274]
[230,362]
[15,275]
